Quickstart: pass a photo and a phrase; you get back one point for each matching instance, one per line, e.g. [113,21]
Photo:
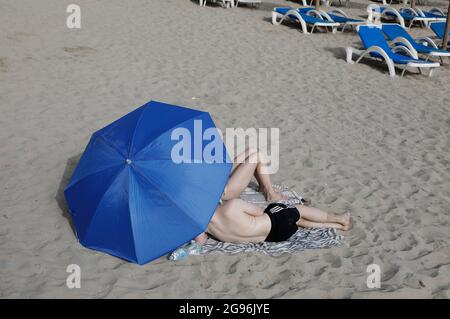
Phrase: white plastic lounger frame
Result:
[385,2]
[389,62]
[226,3]
[248,1]
[341,13]
[303,24]
[327,3]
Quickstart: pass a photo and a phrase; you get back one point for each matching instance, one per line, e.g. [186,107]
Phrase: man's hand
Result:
[202,238]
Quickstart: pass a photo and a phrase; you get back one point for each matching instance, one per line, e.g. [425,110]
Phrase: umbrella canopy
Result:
[128,196]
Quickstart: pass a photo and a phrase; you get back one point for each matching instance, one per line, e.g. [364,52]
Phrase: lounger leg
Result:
[403,72]
[391,68]
[274,18]
[349,52]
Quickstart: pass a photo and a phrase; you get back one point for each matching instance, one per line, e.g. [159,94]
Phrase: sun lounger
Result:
[439,29]
[401,16]
[398,35]
[376,47]
[304,16]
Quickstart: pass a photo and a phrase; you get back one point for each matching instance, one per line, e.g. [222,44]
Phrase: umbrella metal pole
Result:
[447,29]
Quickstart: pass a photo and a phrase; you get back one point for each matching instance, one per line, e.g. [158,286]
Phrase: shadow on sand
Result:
[338,52]
[59,197]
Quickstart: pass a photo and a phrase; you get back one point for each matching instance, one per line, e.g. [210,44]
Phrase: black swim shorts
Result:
[284,221]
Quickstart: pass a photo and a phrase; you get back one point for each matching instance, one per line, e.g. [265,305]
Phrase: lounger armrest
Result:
[397,14]
[338,11]
[349,54]
[386,58]
[427,41]
[316,13]
[275,15]
[325,15]
[437,11]
[420,12]
[405,50]
[403,42]
[409,10]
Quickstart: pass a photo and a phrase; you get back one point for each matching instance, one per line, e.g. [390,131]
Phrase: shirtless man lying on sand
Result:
[239,221]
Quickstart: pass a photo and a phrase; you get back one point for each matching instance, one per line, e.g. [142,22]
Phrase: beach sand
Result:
[351,139]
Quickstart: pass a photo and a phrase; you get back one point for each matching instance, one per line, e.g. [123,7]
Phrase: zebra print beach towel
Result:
[303,239]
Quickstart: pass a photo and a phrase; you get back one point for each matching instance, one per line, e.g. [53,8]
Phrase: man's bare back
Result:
[239,221]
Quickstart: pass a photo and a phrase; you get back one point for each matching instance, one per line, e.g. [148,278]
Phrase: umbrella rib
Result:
[165,195]
[203,189]
[162,133]
[112,145]
[91,173]
[130,146]
[97,171]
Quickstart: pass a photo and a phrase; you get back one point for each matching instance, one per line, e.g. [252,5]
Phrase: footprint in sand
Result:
[389,271]
[3,65]
[80,51]
[17,36]
[333,260]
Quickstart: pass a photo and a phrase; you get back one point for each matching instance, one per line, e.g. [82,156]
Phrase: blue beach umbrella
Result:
[148,182]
